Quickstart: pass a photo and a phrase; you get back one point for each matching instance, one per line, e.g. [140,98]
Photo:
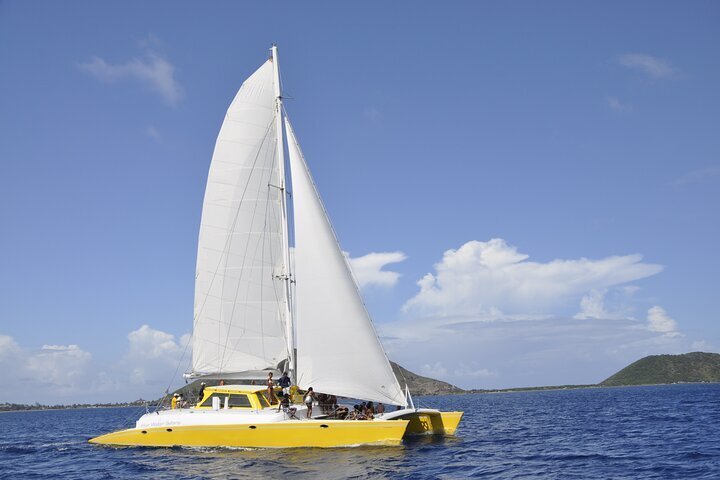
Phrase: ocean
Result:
[662,432]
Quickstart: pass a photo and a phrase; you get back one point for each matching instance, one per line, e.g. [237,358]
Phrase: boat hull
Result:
[308,433]
[427,421]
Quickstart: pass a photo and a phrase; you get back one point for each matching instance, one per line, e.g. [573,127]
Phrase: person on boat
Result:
[173,402]
[309,399]
[284,382]
[285,406]
[270,389]
[181,403]
[380,409]
[369,409]
[222,383]
[201,393]
[340,412]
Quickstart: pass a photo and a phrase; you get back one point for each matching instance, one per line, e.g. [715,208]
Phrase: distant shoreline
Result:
[36,408]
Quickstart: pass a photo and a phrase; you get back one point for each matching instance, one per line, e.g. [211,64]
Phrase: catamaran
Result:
[263,306]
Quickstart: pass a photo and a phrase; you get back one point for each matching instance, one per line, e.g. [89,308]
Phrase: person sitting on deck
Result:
[341,412]
[380,409]
[369,409]
[270,391]
[201,393]
[284,382]
[285,406]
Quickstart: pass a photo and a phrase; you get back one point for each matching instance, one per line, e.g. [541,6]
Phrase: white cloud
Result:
[653,66]
[153,133]
[153,71]
[69,374]
[8,347]
[592,305]
[615,104]
[700,175]
[703,346]
[153,355]
[659,321]
[464,370]
[368,269]
[56,370]
[435,370]
[63,367]
[372,114]
[506,353]
[486,278]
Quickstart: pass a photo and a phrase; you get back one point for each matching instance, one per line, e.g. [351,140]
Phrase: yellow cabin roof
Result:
[236,388]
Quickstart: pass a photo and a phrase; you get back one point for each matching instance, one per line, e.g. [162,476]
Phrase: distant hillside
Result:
[418,384]
[659,369]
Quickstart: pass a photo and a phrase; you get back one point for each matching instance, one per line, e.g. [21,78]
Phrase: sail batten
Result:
[338,349]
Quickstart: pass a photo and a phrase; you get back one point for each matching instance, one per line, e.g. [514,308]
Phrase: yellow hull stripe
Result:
[306,433]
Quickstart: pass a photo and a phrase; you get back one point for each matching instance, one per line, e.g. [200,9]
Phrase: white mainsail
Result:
[239,301]
[338,349]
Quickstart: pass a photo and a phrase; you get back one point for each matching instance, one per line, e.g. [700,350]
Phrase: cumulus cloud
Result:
[592,305]
[435,370]
[58,369]
[368,269]
[653,66]
[153,133]
[700,175]
[153,355]
[493,278]
[152,71]
[68,373]
[658,320]
[514,352]
[63,367]
[615,104]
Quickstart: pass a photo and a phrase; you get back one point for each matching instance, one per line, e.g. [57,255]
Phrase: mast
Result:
[285,274]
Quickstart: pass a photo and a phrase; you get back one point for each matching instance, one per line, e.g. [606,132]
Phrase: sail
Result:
[239,302]
[338,350]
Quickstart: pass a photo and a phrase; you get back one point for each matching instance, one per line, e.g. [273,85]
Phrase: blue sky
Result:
[554,167]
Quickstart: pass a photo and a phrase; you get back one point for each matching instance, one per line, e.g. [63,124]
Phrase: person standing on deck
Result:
[173,402]
[284,382]
[270,392]
[309,399]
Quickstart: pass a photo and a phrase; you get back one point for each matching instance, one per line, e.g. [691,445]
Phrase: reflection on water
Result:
[331,463]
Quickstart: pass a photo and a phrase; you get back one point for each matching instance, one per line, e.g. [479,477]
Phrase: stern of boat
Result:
[427,421]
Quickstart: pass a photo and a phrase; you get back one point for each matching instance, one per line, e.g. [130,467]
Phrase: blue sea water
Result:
[634,432]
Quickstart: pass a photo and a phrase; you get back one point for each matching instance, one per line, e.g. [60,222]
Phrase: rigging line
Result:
[269,211]
[229,237]
[247,247]
[177,368]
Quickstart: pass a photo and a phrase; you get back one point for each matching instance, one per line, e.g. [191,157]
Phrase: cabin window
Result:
[236,401]
[239,401]
[263,401]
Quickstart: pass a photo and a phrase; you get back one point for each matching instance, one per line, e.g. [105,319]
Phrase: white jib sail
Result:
[239,302]
[338,349]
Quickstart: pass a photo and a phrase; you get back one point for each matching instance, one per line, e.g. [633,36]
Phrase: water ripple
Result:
[644,432]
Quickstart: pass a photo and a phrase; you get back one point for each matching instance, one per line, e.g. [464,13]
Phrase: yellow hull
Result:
[307,433]
[432,423]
